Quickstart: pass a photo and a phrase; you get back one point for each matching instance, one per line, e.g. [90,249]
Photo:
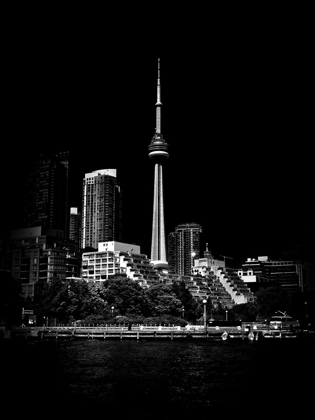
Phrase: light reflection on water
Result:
[152,379]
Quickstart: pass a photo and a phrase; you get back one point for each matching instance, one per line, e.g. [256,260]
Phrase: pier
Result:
[144,332]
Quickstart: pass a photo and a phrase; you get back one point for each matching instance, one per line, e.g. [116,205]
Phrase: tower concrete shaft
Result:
[158,249]
[158,152]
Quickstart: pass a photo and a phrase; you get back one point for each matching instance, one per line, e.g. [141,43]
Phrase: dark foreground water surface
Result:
[157,379]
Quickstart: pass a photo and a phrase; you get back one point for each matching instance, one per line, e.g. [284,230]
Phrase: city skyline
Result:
[241,163]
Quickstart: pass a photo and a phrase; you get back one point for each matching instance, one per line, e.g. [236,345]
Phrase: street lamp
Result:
[112,309]
[204,314]
[226,315]
[183,312]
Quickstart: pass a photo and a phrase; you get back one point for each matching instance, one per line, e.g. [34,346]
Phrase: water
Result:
[157,379]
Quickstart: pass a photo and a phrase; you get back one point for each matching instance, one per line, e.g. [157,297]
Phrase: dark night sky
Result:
[237,117]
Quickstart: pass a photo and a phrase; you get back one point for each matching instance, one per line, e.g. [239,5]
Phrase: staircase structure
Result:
[221,285]
[139,268]
[212,279]
[234,285]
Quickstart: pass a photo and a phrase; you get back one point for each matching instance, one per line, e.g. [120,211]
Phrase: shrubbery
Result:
[97,320]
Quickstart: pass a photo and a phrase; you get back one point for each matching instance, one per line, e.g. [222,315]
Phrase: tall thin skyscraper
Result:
[75,227]
[158,152]
[46,192]
[101,208]
[184,247]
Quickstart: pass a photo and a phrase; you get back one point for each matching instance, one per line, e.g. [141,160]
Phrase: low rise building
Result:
[288,274]
[118,258]
[204,266]
[38,254]
[218,282]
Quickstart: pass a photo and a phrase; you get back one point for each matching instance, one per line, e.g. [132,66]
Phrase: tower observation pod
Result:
[158,152]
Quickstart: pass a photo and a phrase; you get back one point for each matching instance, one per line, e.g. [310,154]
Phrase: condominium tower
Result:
[75,227]
[46,192]
[101,208]
[184,248]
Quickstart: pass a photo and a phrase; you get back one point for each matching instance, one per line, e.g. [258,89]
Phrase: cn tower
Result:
[158,152]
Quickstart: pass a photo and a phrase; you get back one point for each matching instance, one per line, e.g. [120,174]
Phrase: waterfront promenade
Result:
[251,331]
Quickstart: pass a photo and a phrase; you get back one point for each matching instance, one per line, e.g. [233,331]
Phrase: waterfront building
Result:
[46,192]
[309,276]
[158,152]
[101,208]
[38,254]
[114,258]
[288,274]
[203,266]
[75,227]
[184,247]
[220,283]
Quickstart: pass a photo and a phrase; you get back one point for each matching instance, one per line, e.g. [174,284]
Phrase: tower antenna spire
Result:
[158,101]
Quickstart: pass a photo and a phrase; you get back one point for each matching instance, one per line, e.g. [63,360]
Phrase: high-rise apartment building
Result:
[75,227]
[46,192]
[171,252]
[184,248]
[101,208]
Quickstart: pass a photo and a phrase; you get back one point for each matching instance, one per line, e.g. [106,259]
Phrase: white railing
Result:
[120,328]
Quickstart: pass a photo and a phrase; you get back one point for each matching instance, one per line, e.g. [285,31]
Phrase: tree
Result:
[163,300]
[271,299]
[62,299]
[57,299]
[127,296]
[190,305]
[94,302]
[39,302]
[244,312]
[77,295]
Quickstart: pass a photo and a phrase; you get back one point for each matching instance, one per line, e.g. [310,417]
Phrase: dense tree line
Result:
[116,299]
[121,300]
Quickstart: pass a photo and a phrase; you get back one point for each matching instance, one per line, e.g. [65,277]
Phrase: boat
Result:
[283,320]
[224,335]
[251,336]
